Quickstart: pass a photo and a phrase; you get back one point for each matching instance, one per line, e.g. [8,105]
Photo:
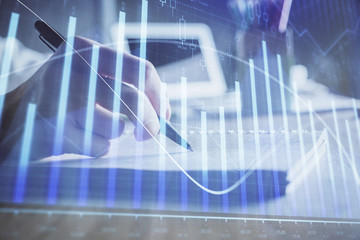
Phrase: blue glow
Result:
[302,148]
[25,154]
[7,59]
[331,172]
[286,126]
[137,185]
[356,118]
[142,66]
[184,130]
[224,180]
[248,157]
[357,177]
[204,157]
[257,137]
[64,89]
[352,157]
[89,124]
[271,125]
[241,147]
[140,113]
[116,105]
[318,171]
[111,193]
[118,72]
[64,92]
[162,140]
[342,164]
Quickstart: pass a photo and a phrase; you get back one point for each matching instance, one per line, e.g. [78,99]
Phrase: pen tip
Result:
[189,148]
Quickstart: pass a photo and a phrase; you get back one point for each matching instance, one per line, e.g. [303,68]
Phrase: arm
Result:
[44,88]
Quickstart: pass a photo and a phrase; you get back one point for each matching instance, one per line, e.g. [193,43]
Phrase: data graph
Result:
[278,163]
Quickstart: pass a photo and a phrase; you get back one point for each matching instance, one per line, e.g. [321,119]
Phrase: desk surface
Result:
[323,185]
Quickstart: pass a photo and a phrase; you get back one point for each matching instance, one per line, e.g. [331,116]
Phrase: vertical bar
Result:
[332,177]
[204,157]
[7,59]
[64,89]
[140,113]
[118,72]
[257,137]
[286,127]
[342,164]
[182,29]
[224,178]
[162,140]
[60,125]
[356,119]
[318,171]
[116,104]
[25,154]
[353,164]
[302,148]
[271,126]
[184,130]
[241,147]
[89,124]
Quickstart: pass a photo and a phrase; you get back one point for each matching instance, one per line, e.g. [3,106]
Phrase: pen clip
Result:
[47,43]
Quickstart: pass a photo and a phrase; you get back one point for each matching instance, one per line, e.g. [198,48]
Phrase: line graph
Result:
[258,161]
[325,51]
[329,21]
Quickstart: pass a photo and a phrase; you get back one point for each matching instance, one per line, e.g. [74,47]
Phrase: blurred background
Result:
[323,33]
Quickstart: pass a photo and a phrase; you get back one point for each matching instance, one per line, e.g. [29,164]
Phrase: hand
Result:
[47,85]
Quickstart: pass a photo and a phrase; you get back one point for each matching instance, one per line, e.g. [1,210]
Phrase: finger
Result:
[75,142]
[130,74]
[105,123]
[156,91]
[134,104]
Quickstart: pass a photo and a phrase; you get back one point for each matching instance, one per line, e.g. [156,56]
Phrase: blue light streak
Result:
[162,140]
[356,118]
[352,157]
[6,62]
[184,130]
[331,172]
[118,73]
[271,126]
[241,147]
[286,127]
[342,165]
[141,100]
[302,148]
[318,171]
[64,92]
[25,154]
[116,105]
[89,124]
[204,157]
[142,65]
[257,137]
[224,178]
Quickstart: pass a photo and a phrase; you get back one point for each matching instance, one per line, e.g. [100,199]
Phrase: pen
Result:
[53,39]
